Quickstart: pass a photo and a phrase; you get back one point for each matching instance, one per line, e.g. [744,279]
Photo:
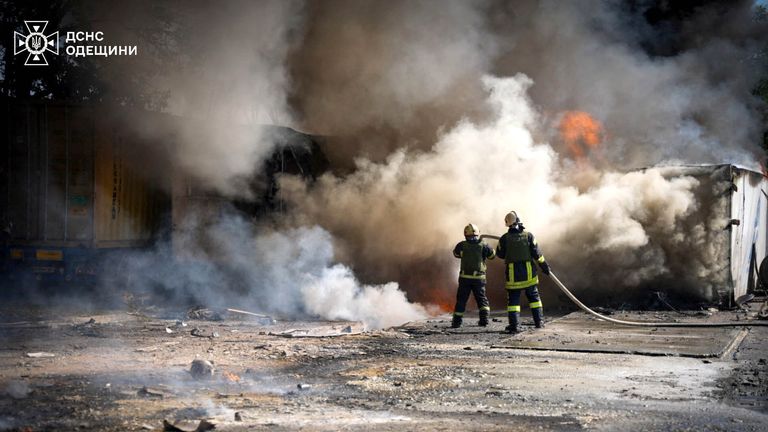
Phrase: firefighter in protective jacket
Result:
[473,254]
[520,252]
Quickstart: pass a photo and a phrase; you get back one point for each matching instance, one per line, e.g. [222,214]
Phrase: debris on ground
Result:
[260,318]
[150,393]
[763,312]
[321,332]
[88,328]
[203,426]
[204,314]
[201,369]
[41,355]
[196,332]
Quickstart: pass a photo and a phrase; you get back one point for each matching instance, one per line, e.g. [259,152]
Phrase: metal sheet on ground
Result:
[582,333]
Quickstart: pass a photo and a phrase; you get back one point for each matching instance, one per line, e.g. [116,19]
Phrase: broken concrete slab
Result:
[580,332]
[322,331]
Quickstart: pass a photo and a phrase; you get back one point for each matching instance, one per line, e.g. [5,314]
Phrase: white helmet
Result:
[471,230]
[511,218]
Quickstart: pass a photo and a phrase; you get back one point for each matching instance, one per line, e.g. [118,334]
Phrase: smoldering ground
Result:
[443,113]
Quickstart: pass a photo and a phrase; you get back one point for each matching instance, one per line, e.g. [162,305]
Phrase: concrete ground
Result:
[120,371]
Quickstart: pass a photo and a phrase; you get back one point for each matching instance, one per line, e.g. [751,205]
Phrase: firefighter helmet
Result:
[471,230]
[511,218]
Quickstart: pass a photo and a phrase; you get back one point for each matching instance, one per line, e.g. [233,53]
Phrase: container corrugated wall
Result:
[127,209]
[67,183]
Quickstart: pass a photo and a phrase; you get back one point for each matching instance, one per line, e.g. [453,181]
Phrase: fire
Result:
[231,377]
[580,132]
[444,304]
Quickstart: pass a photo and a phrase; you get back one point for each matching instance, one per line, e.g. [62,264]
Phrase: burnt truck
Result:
[78,186]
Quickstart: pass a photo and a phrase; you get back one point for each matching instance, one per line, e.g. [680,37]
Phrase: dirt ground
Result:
[127,371]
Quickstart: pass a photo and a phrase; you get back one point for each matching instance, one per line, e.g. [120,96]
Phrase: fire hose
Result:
[586,309]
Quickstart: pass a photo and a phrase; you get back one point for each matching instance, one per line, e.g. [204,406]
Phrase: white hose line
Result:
[650,324]
[584,307]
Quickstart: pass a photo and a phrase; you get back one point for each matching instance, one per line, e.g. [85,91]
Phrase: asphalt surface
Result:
[66,370]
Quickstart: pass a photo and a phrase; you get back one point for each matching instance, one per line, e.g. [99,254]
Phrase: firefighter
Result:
[473,254]
[520,251]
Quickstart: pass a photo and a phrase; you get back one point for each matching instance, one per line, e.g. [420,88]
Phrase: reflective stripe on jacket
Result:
[519,250]
[473,254]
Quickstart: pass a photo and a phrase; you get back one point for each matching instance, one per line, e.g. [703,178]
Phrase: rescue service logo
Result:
[76,44]
[36,43]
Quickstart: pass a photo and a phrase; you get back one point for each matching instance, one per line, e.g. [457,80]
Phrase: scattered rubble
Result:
[201,369]
[321,332]
[204,314]
[263,381]
[150,393]
[203,426]
[41,355]
[261,318]
[196,332]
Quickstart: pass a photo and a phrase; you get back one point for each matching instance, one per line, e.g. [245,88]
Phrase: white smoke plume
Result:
[433,106]
[398,216]
[291,273]
[413,206]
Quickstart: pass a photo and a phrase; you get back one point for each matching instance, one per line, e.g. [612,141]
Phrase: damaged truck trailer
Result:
[79,187]
[71,191]
[717,253]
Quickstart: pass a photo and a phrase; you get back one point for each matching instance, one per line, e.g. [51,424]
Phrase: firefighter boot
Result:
[513,326]
[456,323]
[538,317]
[483,318]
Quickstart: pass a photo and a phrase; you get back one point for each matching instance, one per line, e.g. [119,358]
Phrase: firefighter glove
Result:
[545,268]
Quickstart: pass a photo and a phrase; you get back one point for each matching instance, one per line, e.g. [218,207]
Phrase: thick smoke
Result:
[693,105]
[605,230]
[413,206]
[379,75]
[236,80]
[218,70]
[447,112]
[231,263]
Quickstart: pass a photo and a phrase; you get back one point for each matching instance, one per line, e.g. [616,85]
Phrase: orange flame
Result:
[580,132]
[231,377]
[444,300]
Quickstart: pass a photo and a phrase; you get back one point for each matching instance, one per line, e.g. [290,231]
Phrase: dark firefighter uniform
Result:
[473,254]
[520,252]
